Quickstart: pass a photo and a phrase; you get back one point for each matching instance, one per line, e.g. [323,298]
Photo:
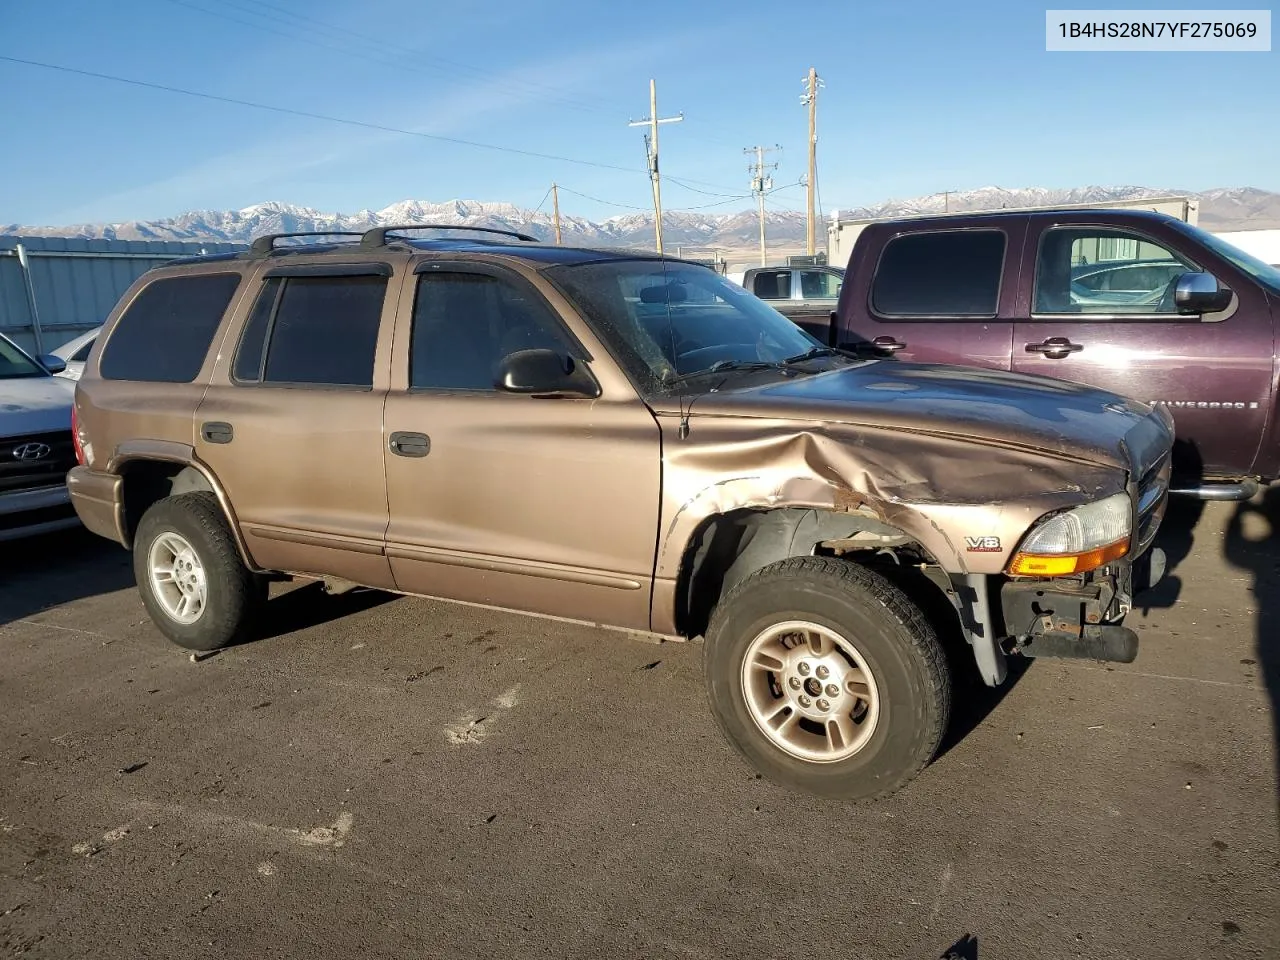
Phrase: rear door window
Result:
[772,285]
[320,330]
[953,273]
[165,333]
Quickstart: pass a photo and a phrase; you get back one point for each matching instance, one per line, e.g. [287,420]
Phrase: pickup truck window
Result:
[819,285]
[1096,270]
[945,273]
[465,323]
[661,320]
[773,285]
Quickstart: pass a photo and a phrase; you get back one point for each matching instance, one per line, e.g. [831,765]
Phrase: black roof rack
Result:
[263,246]
[377,237]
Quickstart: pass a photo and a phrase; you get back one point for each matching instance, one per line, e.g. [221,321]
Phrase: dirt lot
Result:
[396,777]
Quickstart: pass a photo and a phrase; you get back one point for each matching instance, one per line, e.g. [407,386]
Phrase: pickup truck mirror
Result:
[1200,293]
[545,372]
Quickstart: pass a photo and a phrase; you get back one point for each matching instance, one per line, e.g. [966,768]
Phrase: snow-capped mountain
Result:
[1223,209]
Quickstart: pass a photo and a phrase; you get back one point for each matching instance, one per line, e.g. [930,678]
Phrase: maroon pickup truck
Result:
[1139,303]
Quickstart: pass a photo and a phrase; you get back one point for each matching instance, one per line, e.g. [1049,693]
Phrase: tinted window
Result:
[950,274]
[1092,270]
[253,341]
[164,334]
[773,285]
[321,330]
[465,323]
[819,285]
[15,363]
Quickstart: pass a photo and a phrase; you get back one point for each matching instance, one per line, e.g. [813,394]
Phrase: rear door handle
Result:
[887,345]
[406,444]
[216,432]
[1055,347]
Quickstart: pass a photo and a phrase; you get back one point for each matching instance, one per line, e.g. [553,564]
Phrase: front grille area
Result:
[22,469]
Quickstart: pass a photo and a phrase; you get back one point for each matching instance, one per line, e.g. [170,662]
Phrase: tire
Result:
[890,726]
[232,594]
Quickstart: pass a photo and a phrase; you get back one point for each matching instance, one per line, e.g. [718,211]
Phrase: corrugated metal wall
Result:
[75,282]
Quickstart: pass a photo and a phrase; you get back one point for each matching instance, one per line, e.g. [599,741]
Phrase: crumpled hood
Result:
[35,405]
[994,406]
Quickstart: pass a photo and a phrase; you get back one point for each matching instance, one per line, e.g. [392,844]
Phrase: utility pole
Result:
[760,185]
[810,98]
[555,206]
[651,148]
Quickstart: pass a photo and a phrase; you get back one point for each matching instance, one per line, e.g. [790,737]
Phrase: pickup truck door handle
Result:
[1055,347]
[404,444]
[216,432]
[887,345]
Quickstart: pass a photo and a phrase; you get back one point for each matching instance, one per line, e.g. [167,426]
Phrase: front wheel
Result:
[193,583]
[827,678]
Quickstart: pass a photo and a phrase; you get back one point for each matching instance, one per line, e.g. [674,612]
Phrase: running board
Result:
[1237,490]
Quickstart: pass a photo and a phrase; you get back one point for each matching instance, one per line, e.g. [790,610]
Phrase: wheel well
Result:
[146,481]
[727,548]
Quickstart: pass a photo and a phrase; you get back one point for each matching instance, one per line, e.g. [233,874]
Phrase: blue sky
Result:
[919,97]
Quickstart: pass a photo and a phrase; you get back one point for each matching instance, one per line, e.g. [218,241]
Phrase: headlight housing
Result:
[1076,540]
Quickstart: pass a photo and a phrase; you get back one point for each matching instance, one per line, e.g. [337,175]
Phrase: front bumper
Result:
[1075,618]
[27,513]
[1079,618]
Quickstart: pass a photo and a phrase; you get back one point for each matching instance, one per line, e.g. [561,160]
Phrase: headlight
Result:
[1076,540]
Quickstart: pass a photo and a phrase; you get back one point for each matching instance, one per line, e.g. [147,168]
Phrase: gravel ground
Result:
[394,777]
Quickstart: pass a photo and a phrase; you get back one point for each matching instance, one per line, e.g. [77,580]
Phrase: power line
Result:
[440,138]
[607,203]
[760,185]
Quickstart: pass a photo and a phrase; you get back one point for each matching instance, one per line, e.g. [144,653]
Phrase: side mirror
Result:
[545,372]
[53,364]
[1200,293]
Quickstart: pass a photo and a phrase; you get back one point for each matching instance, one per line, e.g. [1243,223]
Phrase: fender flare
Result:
[168,451]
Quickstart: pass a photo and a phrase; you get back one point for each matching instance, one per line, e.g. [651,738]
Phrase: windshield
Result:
[1260,270]
[14,363]
[669,321]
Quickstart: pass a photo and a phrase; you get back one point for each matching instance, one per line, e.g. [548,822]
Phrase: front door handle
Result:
[406,444]
[1055,348]
[887,345]
[216,432]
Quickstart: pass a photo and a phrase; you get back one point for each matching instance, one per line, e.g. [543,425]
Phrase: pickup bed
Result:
[1136,302]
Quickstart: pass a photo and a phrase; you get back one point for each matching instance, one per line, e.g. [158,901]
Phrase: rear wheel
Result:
[196,589]
[827,678]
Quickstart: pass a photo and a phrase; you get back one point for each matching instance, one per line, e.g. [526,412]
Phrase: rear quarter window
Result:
[165,333]
[952,273]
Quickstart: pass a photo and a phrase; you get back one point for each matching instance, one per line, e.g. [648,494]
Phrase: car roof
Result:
[540,254]
[1117,213]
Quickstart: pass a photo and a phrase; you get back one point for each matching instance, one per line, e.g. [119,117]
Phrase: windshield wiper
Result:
[723,366]
[814,354]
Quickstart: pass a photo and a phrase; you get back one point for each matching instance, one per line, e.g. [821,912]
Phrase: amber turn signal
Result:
[1043,565]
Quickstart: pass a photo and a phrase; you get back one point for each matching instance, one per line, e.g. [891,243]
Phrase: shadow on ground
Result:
[298,608]
[37,573]
[1252,544]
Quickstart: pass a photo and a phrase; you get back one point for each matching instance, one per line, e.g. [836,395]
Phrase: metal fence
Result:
[54,288]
